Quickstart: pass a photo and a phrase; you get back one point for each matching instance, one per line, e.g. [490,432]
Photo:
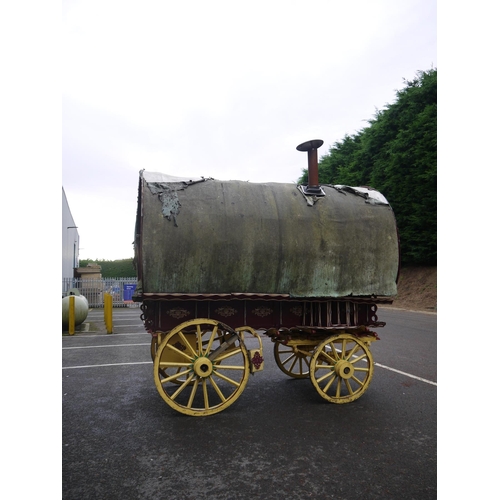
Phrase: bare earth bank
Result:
[417,289]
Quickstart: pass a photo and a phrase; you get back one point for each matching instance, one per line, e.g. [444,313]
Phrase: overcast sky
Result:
[225,89]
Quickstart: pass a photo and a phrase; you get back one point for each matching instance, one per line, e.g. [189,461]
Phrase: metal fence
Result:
[93,290]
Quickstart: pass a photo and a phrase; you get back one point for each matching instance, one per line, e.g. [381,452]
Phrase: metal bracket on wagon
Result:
[256,355]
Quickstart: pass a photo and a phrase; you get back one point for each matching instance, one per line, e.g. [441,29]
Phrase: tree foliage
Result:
[397,155]
[114,268]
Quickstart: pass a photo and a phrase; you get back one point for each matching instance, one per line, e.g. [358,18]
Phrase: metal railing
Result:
[121,289]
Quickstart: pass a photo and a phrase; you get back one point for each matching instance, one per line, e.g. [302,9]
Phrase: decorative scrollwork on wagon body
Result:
[257,360]
[178,312]
[226,312]
[262,312]
[296,311]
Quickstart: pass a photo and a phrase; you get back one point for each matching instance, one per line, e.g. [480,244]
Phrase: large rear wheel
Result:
[201,367]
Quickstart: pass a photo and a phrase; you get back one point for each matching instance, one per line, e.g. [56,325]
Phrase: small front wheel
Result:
[341,368]
[293,360]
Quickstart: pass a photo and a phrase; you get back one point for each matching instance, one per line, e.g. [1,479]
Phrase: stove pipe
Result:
[311,147]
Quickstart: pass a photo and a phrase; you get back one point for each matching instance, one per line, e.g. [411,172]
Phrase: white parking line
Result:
[101,335]
[146,362]
[111,364]
[398,371]
[149,362]
[406,374]
[100,346]
[117,323]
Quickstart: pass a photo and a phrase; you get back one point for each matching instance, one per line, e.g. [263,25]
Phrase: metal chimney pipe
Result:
[311,147]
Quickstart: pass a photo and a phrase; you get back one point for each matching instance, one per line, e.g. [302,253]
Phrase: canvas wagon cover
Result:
[206,236]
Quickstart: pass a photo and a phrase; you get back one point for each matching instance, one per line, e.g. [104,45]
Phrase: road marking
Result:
[397,371]
[116,323]
[99,346]
[103,335]
[407,374]
[146,362]
[149,362]
[111,364]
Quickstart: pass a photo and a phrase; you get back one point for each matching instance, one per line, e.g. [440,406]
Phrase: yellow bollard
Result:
[71,317]
[108,312]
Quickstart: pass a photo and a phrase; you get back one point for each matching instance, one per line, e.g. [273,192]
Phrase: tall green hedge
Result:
[397,155]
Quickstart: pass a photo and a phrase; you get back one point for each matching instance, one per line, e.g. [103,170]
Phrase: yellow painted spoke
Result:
[229,367]
[174,377]
[358,369]
[227,379]
[301,369]
[308,367]
[356,348]
[327,386]
[293,364]
[324,377]
[199,339]
[186,343]
[172,348]
[212,337]
[337,394]
[333,350]
[182,387]
[331,360]
[323,366]
[227,355]
[193,393]
[344,342]
[205,394]
[358,381]
[173,364]
[284,362]
[348,385]
[358,358]
[217,390]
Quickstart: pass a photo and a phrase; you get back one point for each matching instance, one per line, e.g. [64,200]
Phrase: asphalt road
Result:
[279,440]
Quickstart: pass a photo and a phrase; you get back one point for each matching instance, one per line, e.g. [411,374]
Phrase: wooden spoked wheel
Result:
[201,367]
[293,360]
[341,368]
[155,342]
[154,346]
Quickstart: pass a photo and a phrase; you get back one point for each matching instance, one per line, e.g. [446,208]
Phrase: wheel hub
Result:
[298,352]
[344,369]
[203,367]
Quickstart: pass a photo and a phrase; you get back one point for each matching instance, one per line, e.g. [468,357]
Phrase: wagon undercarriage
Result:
[202,365]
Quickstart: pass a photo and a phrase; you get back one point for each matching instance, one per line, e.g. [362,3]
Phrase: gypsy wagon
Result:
[222,262]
